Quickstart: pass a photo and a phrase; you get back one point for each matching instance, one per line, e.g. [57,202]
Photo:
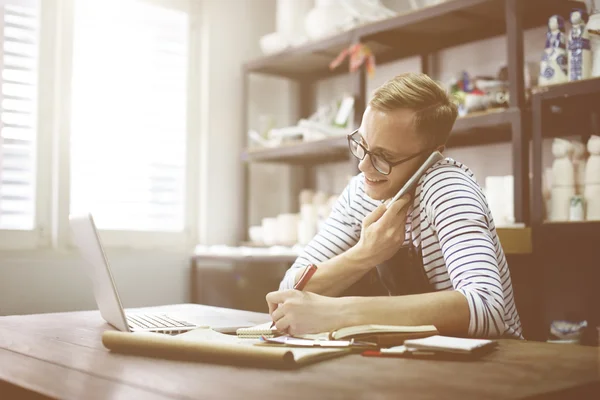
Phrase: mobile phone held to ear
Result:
[412,181]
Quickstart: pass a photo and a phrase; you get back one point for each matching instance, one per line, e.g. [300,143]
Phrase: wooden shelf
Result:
[474,129]
[450,24]
[422,31]
[311,59]
[585,231]
[485,127]
[568,105]
[250,259]
[569,90]
[318,151]
[515,240]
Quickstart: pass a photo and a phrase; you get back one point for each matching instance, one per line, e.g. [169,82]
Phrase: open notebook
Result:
[383,335]
[255,332]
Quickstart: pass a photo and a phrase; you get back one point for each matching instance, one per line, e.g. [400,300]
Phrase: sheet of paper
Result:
[292,341]
[208,334]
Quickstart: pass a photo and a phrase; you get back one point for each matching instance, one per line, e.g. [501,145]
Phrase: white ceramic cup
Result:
[287,228]
[269,227]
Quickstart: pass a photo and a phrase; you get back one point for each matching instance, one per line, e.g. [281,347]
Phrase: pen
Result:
[306,275]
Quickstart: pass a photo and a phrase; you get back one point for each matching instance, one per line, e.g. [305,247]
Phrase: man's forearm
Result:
[337,274]
[447,310]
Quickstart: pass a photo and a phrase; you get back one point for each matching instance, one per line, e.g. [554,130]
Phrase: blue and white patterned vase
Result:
[579,47]
[553,68]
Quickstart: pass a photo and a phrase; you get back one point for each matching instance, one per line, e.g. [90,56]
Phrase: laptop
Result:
[107,298]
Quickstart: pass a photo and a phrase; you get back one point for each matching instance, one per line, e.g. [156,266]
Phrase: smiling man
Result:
[432,258]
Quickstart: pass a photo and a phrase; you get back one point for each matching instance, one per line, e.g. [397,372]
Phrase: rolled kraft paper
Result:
[170,347]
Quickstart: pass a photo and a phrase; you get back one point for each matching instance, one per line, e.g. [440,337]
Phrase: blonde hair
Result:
[435,112]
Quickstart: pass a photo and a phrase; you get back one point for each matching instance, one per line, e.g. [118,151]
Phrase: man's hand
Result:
[383,232]
[297,312]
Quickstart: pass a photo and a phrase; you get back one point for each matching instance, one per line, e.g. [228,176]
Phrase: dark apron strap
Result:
[402,274]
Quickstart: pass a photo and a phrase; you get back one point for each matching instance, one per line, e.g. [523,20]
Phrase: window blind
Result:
[20,25]
[128,115]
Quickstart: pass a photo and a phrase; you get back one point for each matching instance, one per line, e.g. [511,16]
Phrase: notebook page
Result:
[256,331]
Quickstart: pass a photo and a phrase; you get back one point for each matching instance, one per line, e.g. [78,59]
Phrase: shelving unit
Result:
[566,253]
[416,33]
[561,110]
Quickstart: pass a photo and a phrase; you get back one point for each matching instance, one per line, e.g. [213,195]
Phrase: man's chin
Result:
[380,191]
[376,194]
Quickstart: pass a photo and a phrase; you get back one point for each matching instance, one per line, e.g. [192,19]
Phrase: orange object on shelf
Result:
[359,53]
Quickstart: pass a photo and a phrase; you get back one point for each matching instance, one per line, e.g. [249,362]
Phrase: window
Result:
[128,145]
[18,132]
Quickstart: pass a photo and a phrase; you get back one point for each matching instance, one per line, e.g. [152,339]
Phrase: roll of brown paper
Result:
[190,348]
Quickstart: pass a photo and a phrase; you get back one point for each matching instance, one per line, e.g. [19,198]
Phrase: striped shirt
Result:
[451,222]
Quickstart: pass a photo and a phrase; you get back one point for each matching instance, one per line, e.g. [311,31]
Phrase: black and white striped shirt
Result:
[451,222]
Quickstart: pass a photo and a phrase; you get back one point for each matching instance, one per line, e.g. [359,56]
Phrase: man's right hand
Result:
[383,232]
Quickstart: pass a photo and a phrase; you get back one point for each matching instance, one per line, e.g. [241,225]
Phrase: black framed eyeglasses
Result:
[379,162]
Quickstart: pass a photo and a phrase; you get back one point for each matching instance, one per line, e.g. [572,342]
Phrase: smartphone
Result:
[412,181]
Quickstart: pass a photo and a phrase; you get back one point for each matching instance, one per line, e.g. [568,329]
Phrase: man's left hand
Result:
[296,312]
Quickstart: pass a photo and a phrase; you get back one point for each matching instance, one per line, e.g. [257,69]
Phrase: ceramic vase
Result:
[563,180]
[592,180]
[553,67]
[326,18]
[579,48]
[593,28]
[290,18]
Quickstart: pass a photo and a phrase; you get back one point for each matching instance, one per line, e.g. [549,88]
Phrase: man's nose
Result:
[365,165]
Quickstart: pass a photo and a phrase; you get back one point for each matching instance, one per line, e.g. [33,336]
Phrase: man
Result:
[445,224]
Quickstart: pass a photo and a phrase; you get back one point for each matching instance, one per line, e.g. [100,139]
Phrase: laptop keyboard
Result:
[155,321]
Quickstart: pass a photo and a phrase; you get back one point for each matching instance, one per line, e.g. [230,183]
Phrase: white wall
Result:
[48,281]
[232,29]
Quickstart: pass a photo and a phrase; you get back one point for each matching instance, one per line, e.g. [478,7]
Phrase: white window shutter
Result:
[128,115]
[20,31]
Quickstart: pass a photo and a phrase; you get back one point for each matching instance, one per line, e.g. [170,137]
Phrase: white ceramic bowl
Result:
[272,43]
[256,234]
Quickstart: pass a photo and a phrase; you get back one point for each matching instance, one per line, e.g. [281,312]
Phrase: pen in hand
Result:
[306,275]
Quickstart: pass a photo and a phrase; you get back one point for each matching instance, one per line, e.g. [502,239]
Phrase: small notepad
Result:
[449,344]
[255,332]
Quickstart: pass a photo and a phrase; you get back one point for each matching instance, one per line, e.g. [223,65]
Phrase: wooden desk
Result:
[61,356]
